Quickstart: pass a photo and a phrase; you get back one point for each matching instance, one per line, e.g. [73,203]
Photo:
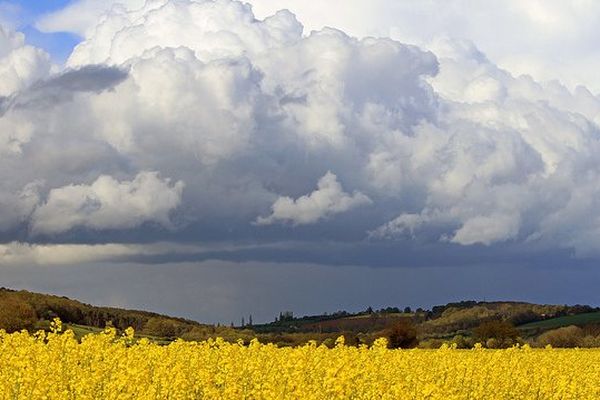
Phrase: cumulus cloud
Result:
[20,64]
[328,199]
[506,149]
[216,30]
[547,39]
[108,204]
[446,146]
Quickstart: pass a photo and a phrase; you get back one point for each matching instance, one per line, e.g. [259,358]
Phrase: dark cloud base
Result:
[378,254]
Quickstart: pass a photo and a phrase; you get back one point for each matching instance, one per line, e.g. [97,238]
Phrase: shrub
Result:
[496,334]
[569,336]
[16,314]
[162,327]
[590,341]
[403,335]
[462,342]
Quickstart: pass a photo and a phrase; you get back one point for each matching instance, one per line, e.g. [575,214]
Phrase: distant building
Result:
[286,316]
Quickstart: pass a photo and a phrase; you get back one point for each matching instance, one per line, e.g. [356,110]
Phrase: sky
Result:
[215,159]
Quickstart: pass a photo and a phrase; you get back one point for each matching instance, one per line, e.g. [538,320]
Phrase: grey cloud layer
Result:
[196,114]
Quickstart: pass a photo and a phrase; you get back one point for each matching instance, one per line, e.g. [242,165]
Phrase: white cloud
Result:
[487,229]
[401,225]
[204,110]
[108,204]
[20,64]
[215,30]
[327,200]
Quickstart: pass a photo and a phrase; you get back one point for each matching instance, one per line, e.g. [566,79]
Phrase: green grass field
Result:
[579,319]
[81,330]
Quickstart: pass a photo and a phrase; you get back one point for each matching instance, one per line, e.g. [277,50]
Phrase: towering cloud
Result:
[247,113]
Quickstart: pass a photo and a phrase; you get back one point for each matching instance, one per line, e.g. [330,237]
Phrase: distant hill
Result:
[462,317]
[441,320]
[453,321]
[29,310]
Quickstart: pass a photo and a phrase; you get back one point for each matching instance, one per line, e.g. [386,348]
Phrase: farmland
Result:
[579,319]
[111,366]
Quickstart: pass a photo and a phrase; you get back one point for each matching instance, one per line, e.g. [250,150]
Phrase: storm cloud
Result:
[185,122]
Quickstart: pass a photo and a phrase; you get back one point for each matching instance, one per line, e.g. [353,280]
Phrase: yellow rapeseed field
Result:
[109,366]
